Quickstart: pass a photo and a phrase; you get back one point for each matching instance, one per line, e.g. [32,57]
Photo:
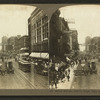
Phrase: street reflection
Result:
[22,80]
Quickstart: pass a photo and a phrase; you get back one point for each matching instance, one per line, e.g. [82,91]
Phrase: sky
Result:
[86,18]
[14,19]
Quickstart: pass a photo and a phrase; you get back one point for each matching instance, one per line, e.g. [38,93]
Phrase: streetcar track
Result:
[24,79]
[25,76]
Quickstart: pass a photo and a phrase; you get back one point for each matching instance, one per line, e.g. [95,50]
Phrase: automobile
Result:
[10,68]
[2,69]
[93,68]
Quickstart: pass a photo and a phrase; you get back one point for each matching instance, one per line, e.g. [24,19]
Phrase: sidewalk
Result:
[67,84]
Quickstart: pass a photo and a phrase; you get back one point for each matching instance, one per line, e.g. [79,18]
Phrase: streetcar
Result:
[23,60]
[41,67]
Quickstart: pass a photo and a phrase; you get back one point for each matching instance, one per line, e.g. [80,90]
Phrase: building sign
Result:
[71,23]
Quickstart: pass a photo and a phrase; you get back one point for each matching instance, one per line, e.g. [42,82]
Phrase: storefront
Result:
[41,62]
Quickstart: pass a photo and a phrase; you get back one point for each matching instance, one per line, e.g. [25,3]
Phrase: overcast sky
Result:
[13,19]
[87,19]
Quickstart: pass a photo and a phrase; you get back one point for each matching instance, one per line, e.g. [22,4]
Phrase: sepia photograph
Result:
[50,49]
[24,47]
[75,47]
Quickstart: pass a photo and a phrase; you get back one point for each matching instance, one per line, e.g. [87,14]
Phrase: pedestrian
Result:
[69,71]
[76,61]
[62,75]
[88,65]
[73,64]
[55,78]
[2,59]
[85,59]
[66,73]
[80,61]
[51,78]
[68,77]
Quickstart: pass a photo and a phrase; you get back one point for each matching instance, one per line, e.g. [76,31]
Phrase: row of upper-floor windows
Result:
[39,22]
[40,30]
[40,37]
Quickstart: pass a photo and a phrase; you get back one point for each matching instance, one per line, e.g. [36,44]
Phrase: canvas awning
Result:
[35,55]
[39,55]
[23,54]
[45,55]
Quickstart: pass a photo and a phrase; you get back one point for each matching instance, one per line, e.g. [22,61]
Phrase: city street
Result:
[22,80]
[91,81]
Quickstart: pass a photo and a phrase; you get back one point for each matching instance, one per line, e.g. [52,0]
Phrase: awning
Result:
[45,55]
[26,54]
[39,55]
[24,49]
[35,55]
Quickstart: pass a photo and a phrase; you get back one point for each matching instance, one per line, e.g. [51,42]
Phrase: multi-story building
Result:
[11,44]
[17,46]
[74,35]
[59,36]
[94,46]
[52,36]
[87,44]
[38,28]
[4,43]
[21,42]
[63,40]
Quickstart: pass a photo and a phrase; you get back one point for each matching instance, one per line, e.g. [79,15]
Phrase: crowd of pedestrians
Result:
[59,72]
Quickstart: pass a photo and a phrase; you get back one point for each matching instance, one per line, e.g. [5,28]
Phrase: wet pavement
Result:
[67,84]
[91,81]
[23,80]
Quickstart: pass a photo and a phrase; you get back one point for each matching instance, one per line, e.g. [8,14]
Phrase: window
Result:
[39,23]
[45,31]
[44,19]
[34,39]
[34,26]
[39,34]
